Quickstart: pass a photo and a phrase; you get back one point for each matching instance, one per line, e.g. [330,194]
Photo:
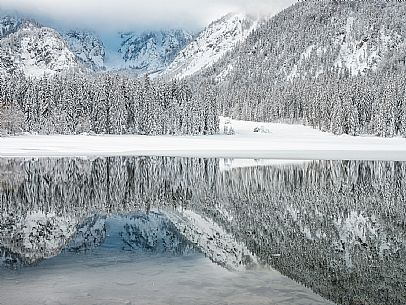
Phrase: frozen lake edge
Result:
[285,142]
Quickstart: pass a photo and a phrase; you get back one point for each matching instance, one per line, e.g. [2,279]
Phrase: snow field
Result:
[286,142]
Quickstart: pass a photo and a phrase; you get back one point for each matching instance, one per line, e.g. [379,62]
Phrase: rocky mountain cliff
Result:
[29,48]
[87,47]
[211,45]
[173,53]
[151,52]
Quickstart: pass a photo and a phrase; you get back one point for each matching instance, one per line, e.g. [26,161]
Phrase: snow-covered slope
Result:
[313,38]
[352,53]
[9,25]
[89,235]
[28,47]
[151,232]
[360,54]
[36,236]
[214,241]
[211,44]
[35,51]
[87,47]
[147,52]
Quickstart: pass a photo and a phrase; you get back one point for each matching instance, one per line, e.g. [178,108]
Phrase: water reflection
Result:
[337,227]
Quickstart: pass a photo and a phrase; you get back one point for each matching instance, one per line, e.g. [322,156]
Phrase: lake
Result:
[165,230]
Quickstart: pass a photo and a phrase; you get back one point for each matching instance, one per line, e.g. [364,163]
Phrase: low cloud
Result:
[137,14]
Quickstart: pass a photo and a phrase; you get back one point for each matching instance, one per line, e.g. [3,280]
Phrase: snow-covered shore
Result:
[287,142]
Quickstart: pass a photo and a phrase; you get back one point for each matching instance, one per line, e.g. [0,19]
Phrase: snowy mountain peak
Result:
[33,50]
[211,44]
[153,52]
[150,52]
[87,47]
[9,25]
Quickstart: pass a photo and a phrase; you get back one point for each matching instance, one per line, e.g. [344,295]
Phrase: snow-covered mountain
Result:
[213,240]
[40,235]
[355,49]
[35,236]
[87,47]
[148,52]
[211,44]
[9,25]
[314,38]
[34,50]
[136,53]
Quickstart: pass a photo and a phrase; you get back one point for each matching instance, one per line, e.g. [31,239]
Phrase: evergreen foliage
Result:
[104,104]
[335,65]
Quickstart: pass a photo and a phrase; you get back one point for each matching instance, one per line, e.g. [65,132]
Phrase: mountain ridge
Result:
[170,53]
[211,44]
[29,48]
[322,64]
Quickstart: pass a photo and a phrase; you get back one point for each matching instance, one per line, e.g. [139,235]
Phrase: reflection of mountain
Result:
[337,227]
[154,233]
[169,233]
[35,236]
[218,245]
[89,235]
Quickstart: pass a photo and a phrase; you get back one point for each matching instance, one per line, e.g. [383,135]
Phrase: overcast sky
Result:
[137,14]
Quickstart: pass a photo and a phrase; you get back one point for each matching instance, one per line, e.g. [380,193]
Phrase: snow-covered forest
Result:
[334,65]
[130,152]
[339,66]
[373,104]
[104,104]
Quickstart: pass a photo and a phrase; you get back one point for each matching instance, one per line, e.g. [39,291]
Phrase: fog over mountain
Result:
[138,15]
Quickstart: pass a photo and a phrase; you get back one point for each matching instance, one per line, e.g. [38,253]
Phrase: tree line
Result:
[105,104]
[373,104]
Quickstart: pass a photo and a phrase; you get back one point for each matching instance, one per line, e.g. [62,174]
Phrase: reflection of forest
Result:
[335,226]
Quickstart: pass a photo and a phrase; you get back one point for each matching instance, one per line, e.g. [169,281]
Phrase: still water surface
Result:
[130,230]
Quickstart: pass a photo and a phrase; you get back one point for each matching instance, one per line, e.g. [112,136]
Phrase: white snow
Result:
[223,74]
[211,45]
[286,142]
[227,164]
[144,52]
[307,52]
[355,229]
[357,52]
[35,220]
[27,237]
[359,56]
[204,233]
[32,66]
[36,51]
[87,46]
[293,74]
[303,57]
